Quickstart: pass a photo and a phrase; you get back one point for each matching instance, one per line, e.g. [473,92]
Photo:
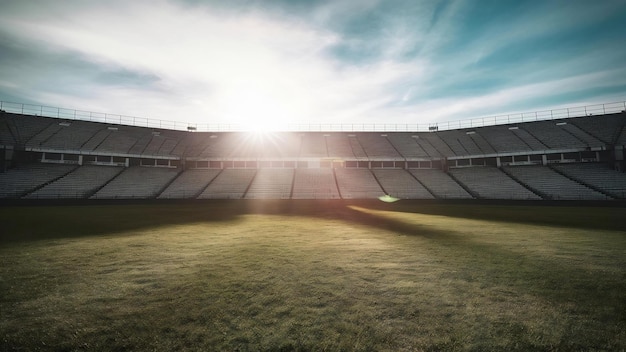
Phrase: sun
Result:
[257,110]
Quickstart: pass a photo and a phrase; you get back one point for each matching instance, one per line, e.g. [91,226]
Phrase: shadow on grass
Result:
[598,296]
[607,217]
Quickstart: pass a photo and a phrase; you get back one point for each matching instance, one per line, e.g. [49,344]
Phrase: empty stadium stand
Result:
[491,183]
[137,182]
[80,183]
[400,184]
[229,184]
[579,158]
[189,184]
[271,184]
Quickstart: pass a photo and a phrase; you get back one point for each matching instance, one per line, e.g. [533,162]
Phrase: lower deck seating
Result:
[315,184]
[357,183]
[137,182]
[440,184]
[553,184]
[271,184]
[597,175]
[400,184]
[14,183]
[80,183]
[230,184]
[491,183]
[189,183]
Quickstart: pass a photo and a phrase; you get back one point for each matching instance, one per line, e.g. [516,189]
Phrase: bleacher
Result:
[400,184]
[440,184]
[503,139]
[137,182]
[229,184]
[80,183]
[554,185]
[376,146]
[407,144]
[552,135]
[313,146]
[189,184]
[315,184]
[271,184]
[357,184]
[597,175]
[59,158]
[491,183]
[606,129]
[24,179]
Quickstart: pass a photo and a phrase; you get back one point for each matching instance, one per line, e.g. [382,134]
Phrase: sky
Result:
[273,62]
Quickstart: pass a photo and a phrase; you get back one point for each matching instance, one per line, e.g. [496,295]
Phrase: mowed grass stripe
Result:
[308,276]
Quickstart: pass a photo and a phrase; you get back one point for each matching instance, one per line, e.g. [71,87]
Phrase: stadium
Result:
[508,234]
[573,158]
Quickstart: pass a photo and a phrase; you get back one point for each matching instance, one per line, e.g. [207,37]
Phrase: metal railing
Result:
[72,114]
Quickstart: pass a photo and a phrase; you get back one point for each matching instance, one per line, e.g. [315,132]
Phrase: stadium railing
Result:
[72,114]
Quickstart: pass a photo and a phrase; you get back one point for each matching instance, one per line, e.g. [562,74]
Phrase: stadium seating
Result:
[229,184]
[24,179]
[315,184]
[407,144]
[503,139]
[271,184]
[440,184]
[137,182]
[400,184]
[491,183]
[41,157]
[80,183]
[554,185]
[605,129]
[189,184]
[376,146]
[357,184]
[554,136]
[313,146]
[596,175]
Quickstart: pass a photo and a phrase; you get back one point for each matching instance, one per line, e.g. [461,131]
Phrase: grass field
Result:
[327,276]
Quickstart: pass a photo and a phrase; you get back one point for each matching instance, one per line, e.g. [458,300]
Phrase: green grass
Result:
[289,275]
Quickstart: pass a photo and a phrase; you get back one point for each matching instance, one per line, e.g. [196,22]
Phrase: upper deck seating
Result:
[436,142]
[313,145]
[606,128]
[553,135]
[24,127]
[339,146]
[408,146]
[377,146]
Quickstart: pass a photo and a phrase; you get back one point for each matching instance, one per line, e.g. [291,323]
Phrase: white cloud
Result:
[256,66]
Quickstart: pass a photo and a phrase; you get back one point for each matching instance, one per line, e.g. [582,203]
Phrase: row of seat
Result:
[590,181]
[47,133]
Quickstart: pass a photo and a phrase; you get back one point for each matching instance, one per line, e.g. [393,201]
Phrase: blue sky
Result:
[267,63]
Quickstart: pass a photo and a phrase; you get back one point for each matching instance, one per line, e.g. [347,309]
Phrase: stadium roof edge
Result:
[116,119]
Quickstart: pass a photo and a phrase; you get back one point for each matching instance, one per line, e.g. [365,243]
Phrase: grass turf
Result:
[291,275]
